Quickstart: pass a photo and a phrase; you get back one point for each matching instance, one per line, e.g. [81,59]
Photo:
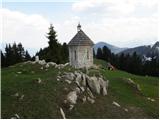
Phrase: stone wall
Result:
[83,57]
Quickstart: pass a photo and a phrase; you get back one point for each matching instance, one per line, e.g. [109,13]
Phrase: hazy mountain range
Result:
[113,48]
[145,50]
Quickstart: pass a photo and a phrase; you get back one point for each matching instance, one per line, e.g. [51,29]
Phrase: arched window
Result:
[87,54]
[75,56]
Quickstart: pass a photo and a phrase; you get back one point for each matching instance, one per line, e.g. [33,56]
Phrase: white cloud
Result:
[30,30]
[120,6]
[123,31]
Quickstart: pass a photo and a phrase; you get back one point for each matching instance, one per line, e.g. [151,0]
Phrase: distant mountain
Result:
[113,48]
[148,51]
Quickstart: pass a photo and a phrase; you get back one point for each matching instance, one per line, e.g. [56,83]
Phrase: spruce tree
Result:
[21,52]
[99,54]
[8,54]
[2,60]
[53,52]
[106,54]
[27,56]
[94,54]
[65,53]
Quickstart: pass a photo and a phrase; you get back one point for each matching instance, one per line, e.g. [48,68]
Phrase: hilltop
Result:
[33,91]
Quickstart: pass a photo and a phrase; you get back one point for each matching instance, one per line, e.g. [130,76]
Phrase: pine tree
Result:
[21,53]
[106,54]
[27,56]
[135,64]
[121,61]
[54,50]
[15,56]
[2,59]
[94,54]
[65,53]
[8,54]
[99,54]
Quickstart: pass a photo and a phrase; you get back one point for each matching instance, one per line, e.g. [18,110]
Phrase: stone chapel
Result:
[81,50]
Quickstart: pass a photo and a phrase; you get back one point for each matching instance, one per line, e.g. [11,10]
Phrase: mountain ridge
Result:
[147,50]
[113,48]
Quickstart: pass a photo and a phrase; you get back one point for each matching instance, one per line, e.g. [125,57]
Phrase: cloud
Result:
[123,32]
[123,7]
[30,30]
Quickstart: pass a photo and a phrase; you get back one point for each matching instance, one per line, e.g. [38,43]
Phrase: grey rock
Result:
[84,99]
[83,80]
[72,97]
[39,80]
[62,113]
[90,93]
[91,100]
[21,98]
[71,107]
[94,84]
[116,104]
[68,81]
[47,65]
[16,94]
[42,62]
[19,72]
[51,64]
[104,85]
[125,109]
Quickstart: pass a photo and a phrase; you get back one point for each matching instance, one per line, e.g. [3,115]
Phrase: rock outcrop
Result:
[83,88]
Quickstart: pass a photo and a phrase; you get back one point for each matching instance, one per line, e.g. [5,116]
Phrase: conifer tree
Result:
[27,56]
[21,52]
[65,53]
[2,59]
[94,54]
[106,54]
[53,51]
[99,54]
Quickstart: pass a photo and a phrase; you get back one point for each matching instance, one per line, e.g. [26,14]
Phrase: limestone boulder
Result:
[62,113]
[90,93]
[103,85]
[116,104]
[68,81]
[42,62]
[51,63]
[132,83]
[91,100]
[78,79]
[69,76]
[21,98]
[72,97]
[83,80]
[94,84]
[47,65]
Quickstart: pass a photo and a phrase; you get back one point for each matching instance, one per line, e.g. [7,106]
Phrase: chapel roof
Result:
[80,39]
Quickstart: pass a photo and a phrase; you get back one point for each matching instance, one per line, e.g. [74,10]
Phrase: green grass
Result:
[43,100]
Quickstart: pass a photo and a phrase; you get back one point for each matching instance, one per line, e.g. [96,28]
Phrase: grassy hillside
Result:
[43,100]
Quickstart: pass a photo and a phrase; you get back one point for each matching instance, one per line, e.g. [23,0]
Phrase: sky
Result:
[123,23]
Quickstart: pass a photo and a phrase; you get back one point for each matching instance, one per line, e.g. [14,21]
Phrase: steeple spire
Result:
[78,27]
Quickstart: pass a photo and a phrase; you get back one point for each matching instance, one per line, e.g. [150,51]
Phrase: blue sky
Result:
[124,23]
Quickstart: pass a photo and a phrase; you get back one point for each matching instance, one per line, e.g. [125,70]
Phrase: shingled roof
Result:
[81,39]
